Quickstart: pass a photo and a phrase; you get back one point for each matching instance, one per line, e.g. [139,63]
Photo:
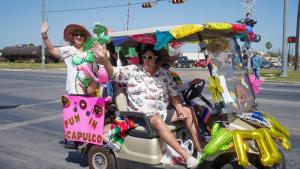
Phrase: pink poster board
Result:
[83,118]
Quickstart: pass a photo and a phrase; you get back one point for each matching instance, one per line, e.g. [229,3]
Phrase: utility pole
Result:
[43,44]
[297,58]
[129,2]
[284,40]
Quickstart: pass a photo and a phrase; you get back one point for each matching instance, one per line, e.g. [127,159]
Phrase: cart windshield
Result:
[229,66]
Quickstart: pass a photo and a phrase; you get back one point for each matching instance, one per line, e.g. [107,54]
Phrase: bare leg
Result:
[107,128]
[165,133]
[191,124]
[92,87]
[80,89]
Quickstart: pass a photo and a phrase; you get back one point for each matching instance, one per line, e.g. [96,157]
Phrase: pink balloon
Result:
[102,75]
[134,60]
[255,84]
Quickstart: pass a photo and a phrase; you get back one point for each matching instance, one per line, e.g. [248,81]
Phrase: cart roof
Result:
[188,32]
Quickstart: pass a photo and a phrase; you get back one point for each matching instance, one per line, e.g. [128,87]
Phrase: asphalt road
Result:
[31,131]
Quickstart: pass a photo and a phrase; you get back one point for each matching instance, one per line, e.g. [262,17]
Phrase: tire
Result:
[281,165]
[232,165]
[100,158]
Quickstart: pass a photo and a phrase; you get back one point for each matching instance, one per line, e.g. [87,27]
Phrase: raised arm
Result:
[52,50]
[101,58]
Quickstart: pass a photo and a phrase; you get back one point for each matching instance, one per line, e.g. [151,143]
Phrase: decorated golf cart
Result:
[237,134]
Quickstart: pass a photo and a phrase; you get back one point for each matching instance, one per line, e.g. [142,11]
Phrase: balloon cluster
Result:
[265,138]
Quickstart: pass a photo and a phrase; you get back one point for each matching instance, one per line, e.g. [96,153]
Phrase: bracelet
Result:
[44,36]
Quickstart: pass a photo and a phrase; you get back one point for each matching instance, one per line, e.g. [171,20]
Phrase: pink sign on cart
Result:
[83,118]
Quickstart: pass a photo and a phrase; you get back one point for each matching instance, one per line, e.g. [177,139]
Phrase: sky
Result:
[21,19]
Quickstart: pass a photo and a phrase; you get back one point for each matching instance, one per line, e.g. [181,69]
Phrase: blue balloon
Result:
[249,29]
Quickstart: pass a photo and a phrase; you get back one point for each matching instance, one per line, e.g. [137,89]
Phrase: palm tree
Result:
[269,45]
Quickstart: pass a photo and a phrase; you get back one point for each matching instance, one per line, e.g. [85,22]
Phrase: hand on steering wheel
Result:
[194,82]
[195,90]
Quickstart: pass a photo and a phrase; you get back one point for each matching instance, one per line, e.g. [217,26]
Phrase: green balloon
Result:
[101,37]
[215,129]
[222,137]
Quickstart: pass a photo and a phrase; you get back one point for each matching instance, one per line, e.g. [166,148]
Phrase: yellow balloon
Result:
[279,126]
[241,147]
[185,30]
[266,145]
[276,156]
[276,124]
[279,132]
[285,142]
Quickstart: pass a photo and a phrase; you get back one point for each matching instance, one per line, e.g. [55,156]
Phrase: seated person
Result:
[166,62]
[148,89]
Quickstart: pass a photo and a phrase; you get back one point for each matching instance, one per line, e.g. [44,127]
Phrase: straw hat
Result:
[69,29]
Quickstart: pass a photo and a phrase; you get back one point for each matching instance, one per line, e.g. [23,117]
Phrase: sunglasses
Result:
[149,57]
[81,34]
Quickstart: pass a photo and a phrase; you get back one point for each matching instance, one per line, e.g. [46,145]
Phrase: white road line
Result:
[296,102]
[278,101]
[24,123]
[36,104]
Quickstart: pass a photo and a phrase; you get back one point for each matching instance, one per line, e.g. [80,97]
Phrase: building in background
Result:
[194,56]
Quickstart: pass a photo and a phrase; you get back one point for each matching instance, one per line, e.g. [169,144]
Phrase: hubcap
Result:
[99,161]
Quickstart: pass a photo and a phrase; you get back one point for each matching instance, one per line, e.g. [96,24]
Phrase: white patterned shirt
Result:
[147,94]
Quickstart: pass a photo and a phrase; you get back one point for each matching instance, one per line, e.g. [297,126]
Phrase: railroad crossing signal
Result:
[147,5]
[177,1]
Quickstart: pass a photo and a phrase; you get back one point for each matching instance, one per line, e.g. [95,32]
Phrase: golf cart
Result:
[232,97]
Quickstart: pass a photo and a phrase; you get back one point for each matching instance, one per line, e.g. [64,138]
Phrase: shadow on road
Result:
[74,157]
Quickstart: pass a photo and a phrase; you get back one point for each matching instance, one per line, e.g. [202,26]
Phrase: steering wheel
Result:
[194,91]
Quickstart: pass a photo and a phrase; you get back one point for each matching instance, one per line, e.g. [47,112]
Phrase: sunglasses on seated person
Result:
[149,57]
[79,33]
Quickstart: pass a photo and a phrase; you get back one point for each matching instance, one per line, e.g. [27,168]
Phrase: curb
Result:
[272,81]
[45,69]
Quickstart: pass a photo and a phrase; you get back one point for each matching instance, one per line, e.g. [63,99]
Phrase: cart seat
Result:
[143,130]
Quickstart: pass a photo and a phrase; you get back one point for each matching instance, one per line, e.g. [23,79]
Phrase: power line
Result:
[99,7]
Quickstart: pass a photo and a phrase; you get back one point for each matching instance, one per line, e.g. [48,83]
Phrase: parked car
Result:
[183,61]
[266,64]
[276,64]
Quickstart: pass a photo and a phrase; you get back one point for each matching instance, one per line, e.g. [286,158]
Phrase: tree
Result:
[269,45]
[31,44]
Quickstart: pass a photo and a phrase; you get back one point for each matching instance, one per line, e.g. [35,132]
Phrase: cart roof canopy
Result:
[160,36]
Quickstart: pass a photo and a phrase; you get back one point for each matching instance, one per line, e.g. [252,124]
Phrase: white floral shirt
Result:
[147,94]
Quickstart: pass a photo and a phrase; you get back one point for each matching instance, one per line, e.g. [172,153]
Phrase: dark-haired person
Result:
[78,81]
[148,90]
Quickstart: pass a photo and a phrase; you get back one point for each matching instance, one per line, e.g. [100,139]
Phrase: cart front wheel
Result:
[100,158]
